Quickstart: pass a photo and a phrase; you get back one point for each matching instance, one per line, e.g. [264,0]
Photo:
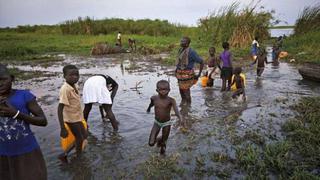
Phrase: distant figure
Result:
[119,39]
[226,71]
[213,67]
[254,51]
[255,41]
[96,89]
[20,154]
[261,59]
[162,106]
[132,44]
[187,57]
[239,82]
[275,55]
[279,42]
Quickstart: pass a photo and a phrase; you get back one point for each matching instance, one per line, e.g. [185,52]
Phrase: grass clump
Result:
[236,25]
[297,156]
[158,167]
[308,20]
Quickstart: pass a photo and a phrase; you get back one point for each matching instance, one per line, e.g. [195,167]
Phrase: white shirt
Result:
[255,41]
[119,36]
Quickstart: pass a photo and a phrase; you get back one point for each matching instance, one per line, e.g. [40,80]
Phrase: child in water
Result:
[162,106]
[239,82]
[20,154]
[261,59]
[226,71]
[213,66]
[70,111]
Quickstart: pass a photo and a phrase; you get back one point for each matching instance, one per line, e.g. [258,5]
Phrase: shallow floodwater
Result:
[210,130]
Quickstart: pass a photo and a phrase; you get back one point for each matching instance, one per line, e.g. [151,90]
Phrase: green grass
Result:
[304,48]
[34,46]
[22,46]
[296,157]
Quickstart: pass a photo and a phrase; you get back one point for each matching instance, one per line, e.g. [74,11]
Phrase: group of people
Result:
[222,65]
[20,154]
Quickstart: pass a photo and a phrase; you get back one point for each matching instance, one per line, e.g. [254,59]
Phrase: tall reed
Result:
[308,20]
[236,25]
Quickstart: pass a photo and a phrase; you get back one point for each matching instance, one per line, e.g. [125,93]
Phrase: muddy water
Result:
[216,123]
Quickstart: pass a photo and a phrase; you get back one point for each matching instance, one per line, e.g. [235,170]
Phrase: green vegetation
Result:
[309,20]
[106,26]
[296,157]
[304,44]
[238,26]
[158,167]
[31,46]
[304,48]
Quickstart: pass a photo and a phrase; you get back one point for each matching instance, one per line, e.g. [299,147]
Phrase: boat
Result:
[310,71]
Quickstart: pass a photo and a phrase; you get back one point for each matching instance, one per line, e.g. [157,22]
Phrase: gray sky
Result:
[187,12]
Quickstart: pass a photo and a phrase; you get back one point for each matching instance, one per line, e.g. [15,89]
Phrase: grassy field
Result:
[304,48]
[33,46]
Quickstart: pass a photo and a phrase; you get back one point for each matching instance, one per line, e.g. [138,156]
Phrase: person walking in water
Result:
[162,107]
[226,71]
[187,57]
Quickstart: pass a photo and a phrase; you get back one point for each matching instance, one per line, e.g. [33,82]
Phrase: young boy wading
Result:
[187,57]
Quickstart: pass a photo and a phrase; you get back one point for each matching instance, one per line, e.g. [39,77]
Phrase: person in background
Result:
[184,73]
[213,66]
[119,39]
[226,71]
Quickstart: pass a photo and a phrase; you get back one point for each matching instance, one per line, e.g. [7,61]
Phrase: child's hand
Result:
[63,133]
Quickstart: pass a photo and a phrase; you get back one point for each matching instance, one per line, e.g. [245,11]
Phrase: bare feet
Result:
[163,149]
[159,143]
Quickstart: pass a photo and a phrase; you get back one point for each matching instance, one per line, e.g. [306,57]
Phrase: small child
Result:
[70,111]
[20,154]
[213,67]
[162,105]
[132,44]
[226,71]
[239,82]
[261,59]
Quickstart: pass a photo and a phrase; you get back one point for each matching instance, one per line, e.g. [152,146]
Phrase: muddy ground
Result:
[218,127]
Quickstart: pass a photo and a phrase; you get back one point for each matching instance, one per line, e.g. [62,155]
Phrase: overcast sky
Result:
[187,12]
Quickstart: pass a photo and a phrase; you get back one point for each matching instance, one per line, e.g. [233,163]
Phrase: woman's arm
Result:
[38,118]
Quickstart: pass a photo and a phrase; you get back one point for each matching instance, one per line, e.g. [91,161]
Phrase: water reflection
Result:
[109,153]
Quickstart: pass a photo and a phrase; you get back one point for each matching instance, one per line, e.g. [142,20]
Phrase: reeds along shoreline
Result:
[308,20]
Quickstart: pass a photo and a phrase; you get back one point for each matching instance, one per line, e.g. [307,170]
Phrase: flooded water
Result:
[211,126]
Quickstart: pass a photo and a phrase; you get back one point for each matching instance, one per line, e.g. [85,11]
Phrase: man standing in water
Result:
[187,57]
